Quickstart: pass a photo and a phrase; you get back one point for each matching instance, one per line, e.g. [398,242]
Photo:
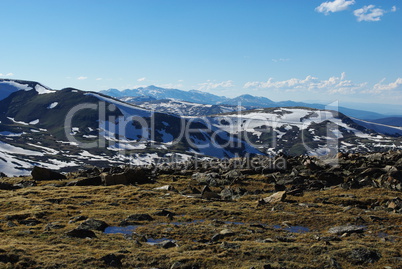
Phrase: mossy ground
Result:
[195,223]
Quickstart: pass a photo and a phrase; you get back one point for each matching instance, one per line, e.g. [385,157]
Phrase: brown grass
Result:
[318,210]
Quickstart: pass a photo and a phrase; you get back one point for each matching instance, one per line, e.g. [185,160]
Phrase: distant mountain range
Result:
[246,100]
[70,128]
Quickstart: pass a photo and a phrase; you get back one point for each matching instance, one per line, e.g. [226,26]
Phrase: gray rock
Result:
[207,193]
[346,229]
[90,181]
[81,233]
[93,224]
[167,244]
[7,186]
[132,219]
[274,198]
[40,173]
[227,245]
[53,226]
[227,194]
[113,260]
[359,256]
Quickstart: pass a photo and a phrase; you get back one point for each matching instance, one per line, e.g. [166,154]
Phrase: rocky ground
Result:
[285,212]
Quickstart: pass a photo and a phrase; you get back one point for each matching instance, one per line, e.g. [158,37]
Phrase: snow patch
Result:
[42,90]
[52,105]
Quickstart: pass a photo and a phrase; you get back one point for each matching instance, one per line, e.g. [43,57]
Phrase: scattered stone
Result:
[360,256]
[81,233]
[113,260]
[93,224]
[165,188]
[395,203]
[128,176]
[227,194]
[53,226]
[11,224]
[40,173]
[217,237]
[274,198]
[132,219]
[348,229]
[227,232]
[114,179]
[78,218]
[9,258]
[7,186]
[18,216]
[167,244]
[25,184]
[207,193]
[164,213]
[227,245]
[29,222]
[286,239]
[91,181]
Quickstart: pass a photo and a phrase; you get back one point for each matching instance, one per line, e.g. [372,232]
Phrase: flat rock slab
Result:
[346,229]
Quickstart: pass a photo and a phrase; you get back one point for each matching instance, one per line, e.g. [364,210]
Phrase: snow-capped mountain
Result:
[248,101]
[162,93]
[60,129]
[69,127]
[182,108]
[301,130]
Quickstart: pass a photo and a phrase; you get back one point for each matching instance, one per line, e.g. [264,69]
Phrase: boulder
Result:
[132,219]
[227,194]
[113,260]
[128,176]
[81,233]
[395,203]
[360,256]
[346,229]
[90,181]
[167,244]
[207,193]
[277,197]
[93,224]
[9,258]
[113,179]
[40,173]
[7,186]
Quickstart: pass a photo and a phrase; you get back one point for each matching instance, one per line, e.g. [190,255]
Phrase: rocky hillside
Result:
[182,108]
[260,212]
[300,130]
[61,129]
[69,127]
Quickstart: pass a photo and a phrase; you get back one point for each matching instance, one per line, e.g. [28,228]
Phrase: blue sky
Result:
[346,50]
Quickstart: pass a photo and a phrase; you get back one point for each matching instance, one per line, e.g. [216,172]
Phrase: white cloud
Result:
[393,9]
[141,79]
[369,13]
[6,75]
[334,6]
[82,78]
[380,87]
[209,85]
[310,83]
[99,78]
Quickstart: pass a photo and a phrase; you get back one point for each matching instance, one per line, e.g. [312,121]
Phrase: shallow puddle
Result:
[121,230]
[294,229]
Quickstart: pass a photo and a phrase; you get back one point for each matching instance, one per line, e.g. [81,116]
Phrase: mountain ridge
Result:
[245,100]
